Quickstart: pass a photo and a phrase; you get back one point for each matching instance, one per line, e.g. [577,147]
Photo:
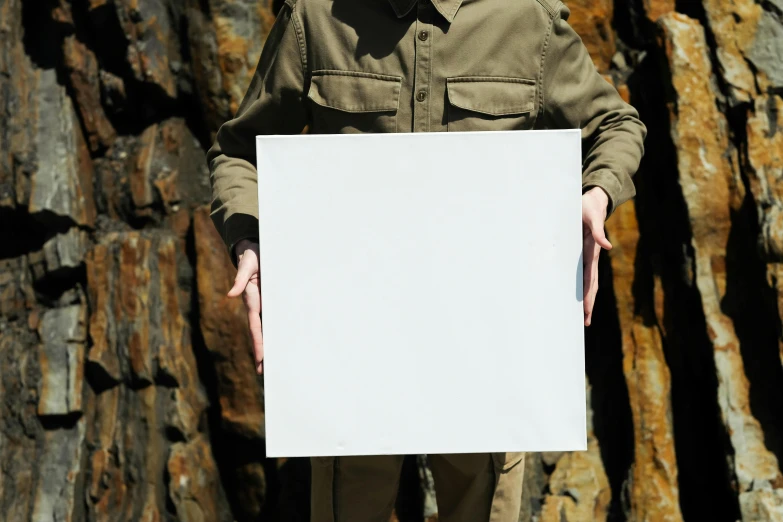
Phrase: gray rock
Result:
[59,492]
[61,182]
[767,50]
[61,358]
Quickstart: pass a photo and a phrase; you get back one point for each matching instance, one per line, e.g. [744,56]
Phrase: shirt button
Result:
[421,96]
[423,35]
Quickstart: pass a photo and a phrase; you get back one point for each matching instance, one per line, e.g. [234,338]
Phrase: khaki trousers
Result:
[477,487]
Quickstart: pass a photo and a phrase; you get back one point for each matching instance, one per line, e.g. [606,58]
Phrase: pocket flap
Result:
[492,95]
[353,91]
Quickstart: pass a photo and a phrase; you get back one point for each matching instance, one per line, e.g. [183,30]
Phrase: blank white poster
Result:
[422,293]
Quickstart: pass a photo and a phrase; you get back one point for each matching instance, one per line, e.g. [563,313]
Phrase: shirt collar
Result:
[448,8]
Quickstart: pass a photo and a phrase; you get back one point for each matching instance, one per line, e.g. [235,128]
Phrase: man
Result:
[421,66]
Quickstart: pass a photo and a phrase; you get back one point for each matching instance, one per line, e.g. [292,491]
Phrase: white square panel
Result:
[422,293]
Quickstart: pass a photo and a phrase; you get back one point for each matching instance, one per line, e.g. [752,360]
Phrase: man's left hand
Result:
[594,205]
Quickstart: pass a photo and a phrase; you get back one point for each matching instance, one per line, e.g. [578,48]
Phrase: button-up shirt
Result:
[339,66]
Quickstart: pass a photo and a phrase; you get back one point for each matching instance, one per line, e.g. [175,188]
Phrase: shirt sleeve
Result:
[273,104]
[575,95]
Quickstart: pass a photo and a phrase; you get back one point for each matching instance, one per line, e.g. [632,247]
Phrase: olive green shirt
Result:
[340,66]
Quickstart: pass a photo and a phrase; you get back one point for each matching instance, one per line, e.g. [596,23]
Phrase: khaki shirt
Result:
[421,66]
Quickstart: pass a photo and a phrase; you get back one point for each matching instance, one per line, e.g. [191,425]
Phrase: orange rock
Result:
[706,172]
[765,159]
[82,68]
[139,335]
[108,491]
[132,289]
[592,20]
[654,493]
[226,49]
[579,488]
[151,177]
[141,188]
[657,8]
[194,483]
[624,92]
[175,357]
[750,44]
[224,327]
[125,433]
[105,362]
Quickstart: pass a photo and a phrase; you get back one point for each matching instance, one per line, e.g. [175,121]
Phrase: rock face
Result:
[150,403]
[765,174]
[654,491]
[578,487]
[593,21]
[707,172]
[241,406]
[127,382]
[63,335]
[144,179]
[226,47]
[749,45]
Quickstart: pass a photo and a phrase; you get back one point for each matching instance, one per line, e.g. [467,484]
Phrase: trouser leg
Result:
[478,487]
[464,484]
[509,475]
[354,489]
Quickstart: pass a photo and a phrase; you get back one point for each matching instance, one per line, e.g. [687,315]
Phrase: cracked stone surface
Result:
[127,381]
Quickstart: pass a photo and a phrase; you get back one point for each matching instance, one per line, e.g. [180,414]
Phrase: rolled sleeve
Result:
[575,95]
[273,104]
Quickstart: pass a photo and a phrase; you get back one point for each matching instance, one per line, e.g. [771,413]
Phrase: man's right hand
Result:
[248,284]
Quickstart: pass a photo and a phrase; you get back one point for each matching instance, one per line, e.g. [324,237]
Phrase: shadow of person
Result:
[377,27]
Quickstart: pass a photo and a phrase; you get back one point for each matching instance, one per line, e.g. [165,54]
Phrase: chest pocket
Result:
[352,101]
[477,103]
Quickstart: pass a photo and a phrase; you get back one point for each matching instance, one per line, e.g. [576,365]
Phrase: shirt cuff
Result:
[607,182]
[238,227]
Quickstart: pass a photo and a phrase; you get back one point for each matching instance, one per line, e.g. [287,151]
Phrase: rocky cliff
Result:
[127,389]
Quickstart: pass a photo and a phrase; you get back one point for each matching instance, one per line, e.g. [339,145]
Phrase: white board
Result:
[422,293]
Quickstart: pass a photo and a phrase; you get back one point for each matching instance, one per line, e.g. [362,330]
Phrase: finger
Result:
[590,259]
[244,273]
[588,292]
[591,295]
[593,291]
[589,304]
[597,228]
[590,278]
[590,308]
[257,337]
